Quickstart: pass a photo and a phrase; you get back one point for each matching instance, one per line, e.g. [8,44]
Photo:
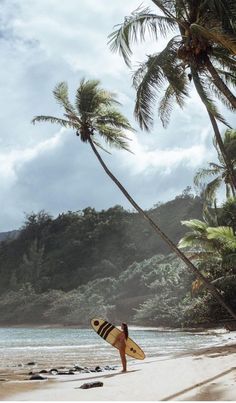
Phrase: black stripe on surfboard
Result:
[108,331]
[105,329]
[102,326]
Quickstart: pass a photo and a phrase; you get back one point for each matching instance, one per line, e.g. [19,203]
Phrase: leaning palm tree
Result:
[94,114]
[218,172]
[202,49]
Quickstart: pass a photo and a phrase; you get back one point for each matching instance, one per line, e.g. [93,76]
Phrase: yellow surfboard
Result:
[109,333]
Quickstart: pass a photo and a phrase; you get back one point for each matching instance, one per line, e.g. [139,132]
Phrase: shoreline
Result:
[217,329]
[205,374]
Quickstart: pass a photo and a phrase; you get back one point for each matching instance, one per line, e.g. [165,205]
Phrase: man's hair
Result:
[125,328]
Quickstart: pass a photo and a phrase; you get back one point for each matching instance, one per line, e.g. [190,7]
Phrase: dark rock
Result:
[37,377]
[31,363]
[109,368]
[66,373]
[89,385]
[78,368]
[43,371]
[98,369]
[31,373]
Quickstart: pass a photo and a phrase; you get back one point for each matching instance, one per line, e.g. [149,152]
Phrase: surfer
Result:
[120,342]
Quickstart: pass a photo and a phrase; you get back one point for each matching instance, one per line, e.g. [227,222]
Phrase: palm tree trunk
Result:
[219,140]
[219,83]
[172,246]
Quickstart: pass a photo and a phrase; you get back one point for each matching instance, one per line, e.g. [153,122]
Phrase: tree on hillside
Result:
[202,49]
[95,114]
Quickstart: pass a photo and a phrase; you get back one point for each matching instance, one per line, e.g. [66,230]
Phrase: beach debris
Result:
[89,385]
[53,371]
[37,377]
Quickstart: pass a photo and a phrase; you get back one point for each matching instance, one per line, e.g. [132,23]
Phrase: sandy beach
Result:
[208,374]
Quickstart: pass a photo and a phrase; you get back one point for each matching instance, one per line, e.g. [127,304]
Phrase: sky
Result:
[44,167]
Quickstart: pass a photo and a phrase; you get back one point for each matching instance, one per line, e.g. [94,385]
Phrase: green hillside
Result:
[77,247]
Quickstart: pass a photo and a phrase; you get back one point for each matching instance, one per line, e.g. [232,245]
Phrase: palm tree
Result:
[219,171]
[95,114]
[208,240]
[211,245]
[202,49]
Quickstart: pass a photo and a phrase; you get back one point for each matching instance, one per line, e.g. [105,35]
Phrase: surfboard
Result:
[109,333]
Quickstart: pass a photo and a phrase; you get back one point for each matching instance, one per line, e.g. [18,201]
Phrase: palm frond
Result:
[216,167]
[150,77]
[210,216]
[201,88]
[167,102]
[60,92]
[134,28]
[195,240]
[195,224]
[166,105]
[205,173]
[215,36]
[224,58]
[114,118]
[224,235]
[219,95]
[227,77]
[113,137]
[188,241]
[211,188]
[148,80]
[53,119]
[168,7]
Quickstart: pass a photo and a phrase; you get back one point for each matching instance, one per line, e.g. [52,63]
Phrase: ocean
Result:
[66,347]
